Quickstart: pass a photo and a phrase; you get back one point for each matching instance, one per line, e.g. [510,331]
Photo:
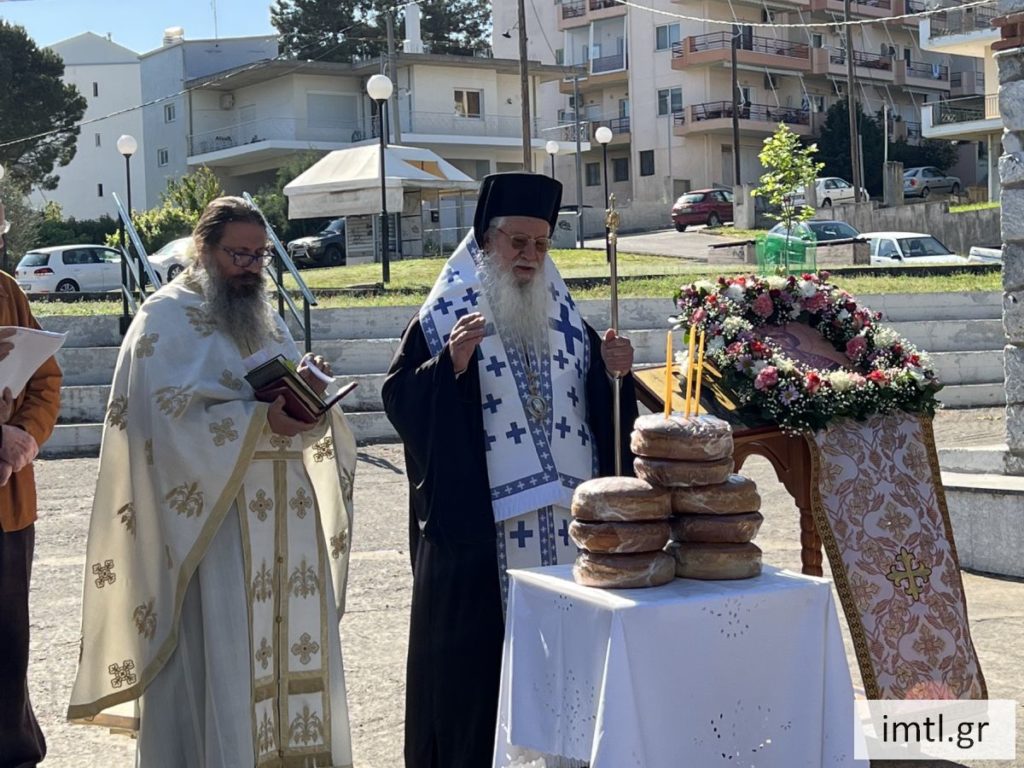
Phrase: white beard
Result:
[520,310]
[239,307]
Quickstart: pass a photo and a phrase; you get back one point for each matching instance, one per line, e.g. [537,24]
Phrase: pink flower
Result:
[812,382]
[734,349]
[856,347]
[816,303]
[878,377]
[763,305]
[768,377]
[698,316]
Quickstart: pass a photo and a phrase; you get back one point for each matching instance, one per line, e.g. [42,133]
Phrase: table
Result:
[693,673]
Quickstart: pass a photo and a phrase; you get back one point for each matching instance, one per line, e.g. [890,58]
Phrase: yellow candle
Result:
[668,375]
[700,374]
[689,371]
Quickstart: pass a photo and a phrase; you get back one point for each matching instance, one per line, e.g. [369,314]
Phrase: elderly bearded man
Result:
[502,395]
[218,547]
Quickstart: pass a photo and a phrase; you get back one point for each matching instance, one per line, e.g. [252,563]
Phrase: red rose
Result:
[856,347]
[878,377]
[812,382]
[768,377]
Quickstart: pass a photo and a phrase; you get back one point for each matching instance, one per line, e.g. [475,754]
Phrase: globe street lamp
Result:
[603,136]
[552,148]
[379,88]
[127,146]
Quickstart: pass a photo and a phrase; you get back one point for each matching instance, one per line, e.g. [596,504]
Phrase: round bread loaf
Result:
[670,473]
[647,569]
[620,499]
[619,538]
[737,494]
[716,561]
[734,529]
[685,438]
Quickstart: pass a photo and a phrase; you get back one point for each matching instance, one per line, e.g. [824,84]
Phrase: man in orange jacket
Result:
[26,420]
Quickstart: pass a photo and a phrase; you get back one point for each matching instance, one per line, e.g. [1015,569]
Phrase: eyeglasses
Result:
[519,242]
[243,259]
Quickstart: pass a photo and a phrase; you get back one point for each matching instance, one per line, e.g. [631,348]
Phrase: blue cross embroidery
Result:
[554,293]
[582,432]
[574,397]
[561,359]
[442,305]
[471,296]
[570,302]
[516,433]
[579,368]
[565,327]
[492,403]
[521,534]
[564,532]
[495,366]
[563,427]
[488,439]
[451,274]
[461,313]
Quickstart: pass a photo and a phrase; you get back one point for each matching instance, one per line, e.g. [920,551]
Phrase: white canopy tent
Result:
[347,182]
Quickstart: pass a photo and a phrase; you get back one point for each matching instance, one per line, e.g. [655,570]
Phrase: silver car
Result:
[922,182]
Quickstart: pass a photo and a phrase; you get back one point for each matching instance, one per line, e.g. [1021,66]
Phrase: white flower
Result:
[717,344]
[843,315]
[807,288]
[734,292]
[785,365]
[918,375]
[758,366]
[733,325]
[841,381]
[794,313]
[776,282]
[885,336]
[706,285]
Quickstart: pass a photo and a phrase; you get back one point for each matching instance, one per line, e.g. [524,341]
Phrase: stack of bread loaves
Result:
[621,524]
[715,512]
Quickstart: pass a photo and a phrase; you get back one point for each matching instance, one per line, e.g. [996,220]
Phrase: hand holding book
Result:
[279,377]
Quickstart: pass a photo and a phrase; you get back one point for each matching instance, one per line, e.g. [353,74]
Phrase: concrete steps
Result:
[987,515]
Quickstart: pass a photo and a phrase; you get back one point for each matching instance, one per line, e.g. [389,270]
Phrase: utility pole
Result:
[393,72]
[579,154]
[735,109]
[524,89]
[851,105]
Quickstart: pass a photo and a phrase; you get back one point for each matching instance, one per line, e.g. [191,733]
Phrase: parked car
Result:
[170,260]
[324,249]
[985,255]
[922,182]
[829,190]
[69,269]
[822,231]
[702,206]
[908,248]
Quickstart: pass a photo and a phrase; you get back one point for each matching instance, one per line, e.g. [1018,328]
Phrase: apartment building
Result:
[663,84]
[970,114]
[108,76]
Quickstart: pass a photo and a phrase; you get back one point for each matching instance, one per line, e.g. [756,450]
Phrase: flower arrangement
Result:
[884,373]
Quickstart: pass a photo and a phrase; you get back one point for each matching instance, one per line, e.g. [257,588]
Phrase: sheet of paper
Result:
[258,358]
[31,350]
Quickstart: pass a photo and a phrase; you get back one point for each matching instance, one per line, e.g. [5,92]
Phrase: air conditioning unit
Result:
[227,101]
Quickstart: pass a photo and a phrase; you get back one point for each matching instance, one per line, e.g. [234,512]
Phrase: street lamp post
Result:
[4,229]
[603,136]
[379,88]
[552,148]
[127,146]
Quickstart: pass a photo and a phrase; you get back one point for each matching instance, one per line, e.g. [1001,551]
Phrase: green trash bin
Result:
[777,254]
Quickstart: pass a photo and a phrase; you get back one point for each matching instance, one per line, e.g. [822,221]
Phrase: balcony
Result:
[619,127]
[754,119]
[601,71]
[832,62]
[871,8]
[576,13]
[962,32]
[967,84]
[920,74]
[716,48]
[971,118]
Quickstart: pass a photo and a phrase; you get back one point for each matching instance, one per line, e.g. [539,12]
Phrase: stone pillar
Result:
[1011,173]
[744,207]
[892,184]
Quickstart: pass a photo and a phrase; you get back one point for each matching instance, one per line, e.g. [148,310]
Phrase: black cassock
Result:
[457,626]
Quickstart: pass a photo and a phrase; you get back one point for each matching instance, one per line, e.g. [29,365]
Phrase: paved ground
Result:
[374,633]
[691,244]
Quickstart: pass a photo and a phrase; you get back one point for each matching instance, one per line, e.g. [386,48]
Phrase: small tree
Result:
[789,165]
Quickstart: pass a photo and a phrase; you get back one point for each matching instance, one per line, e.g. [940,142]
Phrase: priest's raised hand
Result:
[617,353]
[465,338]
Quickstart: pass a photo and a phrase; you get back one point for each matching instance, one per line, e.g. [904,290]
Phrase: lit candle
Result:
[689,371]
[700,374]
[668,375]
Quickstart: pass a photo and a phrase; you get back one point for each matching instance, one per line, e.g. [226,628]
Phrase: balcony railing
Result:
[967,79]
[916,6]
[497,126]
[755,43]
[619,125]
[862,59]
[714,110]
[927,71]
[574,9]
[608,63]
[962,22]
[965,110]
[597,5]
[275,128]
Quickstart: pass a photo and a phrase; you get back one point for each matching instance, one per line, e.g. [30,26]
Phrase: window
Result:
[666,36]
[746,94]
[559,56]
[467,103]
[95,89]
[163,157]
[647,162]
[670,100]
[593,171]
[620,169]
[170,113]
[99,190]
[98,143]
[817,41]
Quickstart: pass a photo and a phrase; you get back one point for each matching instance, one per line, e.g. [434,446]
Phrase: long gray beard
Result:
[520,311]
[239,308]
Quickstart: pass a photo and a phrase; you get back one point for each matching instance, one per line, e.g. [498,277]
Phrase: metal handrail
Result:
[282,262]
[755,43]
[133,276]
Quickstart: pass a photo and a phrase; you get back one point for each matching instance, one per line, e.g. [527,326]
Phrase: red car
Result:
[702,206]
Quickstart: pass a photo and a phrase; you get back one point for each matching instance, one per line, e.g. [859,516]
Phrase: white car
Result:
[906,248]
[170,260]
[69,269]
[830,190]
[983,255]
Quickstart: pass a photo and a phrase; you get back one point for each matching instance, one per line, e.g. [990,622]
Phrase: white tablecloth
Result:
[694,673]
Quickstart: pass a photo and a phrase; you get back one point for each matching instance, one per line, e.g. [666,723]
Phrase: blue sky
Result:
[137,24]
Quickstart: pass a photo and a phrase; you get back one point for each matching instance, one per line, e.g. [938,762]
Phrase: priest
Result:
[502,395]
[218,547]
